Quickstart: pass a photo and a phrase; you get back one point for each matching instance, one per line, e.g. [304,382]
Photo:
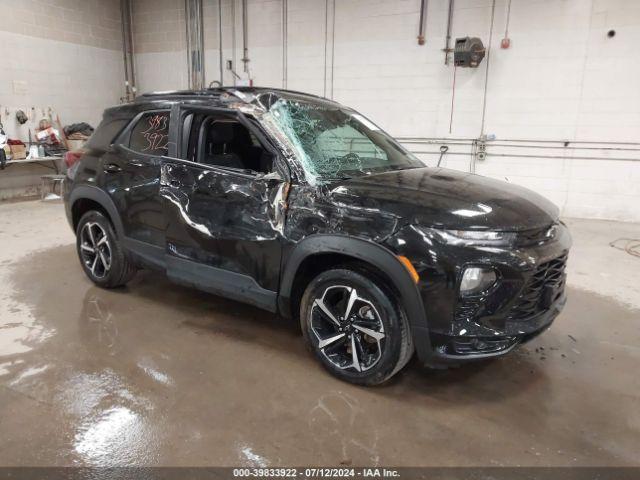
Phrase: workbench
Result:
[57,162]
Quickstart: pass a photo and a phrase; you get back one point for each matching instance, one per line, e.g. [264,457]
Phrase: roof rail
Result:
[176,93]
[227,89]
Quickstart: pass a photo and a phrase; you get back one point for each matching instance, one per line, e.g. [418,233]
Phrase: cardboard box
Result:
[18,152]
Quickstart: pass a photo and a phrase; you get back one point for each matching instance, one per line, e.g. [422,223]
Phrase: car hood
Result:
[445,198]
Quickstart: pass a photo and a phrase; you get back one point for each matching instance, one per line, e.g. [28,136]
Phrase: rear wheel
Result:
[355,327]
[101,256]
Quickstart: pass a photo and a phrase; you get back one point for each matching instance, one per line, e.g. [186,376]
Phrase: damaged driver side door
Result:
[224,208]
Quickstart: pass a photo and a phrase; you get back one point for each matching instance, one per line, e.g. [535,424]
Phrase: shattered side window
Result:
[332,142]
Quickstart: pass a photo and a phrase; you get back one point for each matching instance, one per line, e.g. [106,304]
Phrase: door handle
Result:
[112,168]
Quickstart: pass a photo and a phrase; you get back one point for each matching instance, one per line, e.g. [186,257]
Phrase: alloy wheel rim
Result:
[348,328]
[95,249]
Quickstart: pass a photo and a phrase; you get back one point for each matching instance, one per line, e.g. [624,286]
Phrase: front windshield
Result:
[332,142]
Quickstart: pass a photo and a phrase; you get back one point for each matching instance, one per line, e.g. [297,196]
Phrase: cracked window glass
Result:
[332,142]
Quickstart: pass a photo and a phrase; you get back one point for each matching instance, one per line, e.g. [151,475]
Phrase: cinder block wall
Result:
[160,44]
[562,78]
[66,55]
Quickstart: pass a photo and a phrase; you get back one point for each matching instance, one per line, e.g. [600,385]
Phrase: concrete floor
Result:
[157,374]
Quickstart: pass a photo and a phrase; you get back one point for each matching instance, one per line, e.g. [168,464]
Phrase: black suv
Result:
[299,205]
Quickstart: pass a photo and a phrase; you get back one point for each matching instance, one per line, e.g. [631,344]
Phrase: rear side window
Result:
[106,133]
[151,134]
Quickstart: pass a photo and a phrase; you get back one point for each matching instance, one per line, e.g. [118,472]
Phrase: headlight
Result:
[476,280]
[470,237]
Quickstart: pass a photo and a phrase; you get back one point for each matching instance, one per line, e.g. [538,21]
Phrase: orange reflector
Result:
[412,271]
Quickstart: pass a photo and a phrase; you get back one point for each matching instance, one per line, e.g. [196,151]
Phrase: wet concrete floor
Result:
[158,374]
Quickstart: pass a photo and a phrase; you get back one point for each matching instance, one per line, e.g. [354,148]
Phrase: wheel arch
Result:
[332,250]
[84,198]
[369,253]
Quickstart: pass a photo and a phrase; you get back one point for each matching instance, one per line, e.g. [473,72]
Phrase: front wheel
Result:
[101,256]
[355,328]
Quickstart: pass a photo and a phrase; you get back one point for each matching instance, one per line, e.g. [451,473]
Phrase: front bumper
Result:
[528,296]
[456,349]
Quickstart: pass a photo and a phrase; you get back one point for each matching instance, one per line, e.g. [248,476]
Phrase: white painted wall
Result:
[77,81]
[562,79]
[65,55]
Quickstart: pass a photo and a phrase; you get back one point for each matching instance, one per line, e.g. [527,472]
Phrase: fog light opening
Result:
[476,280]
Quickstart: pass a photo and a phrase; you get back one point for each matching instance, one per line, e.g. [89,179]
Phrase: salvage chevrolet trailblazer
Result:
[299,205]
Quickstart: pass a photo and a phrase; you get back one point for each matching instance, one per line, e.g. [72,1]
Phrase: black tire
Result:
[91,228]
[379,358]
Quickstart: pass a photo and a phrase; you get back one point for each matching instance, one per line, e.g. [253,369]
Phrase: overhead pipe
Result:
[423,21]
[566,142]
[326,39]
[506,145]
[285,34]
[486,72]
[233,35]
[220,42]
[195,44]
[519,155]
[333,44]
[132,50]
[126,15]
[447,44]
[583,150]
[245,36]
